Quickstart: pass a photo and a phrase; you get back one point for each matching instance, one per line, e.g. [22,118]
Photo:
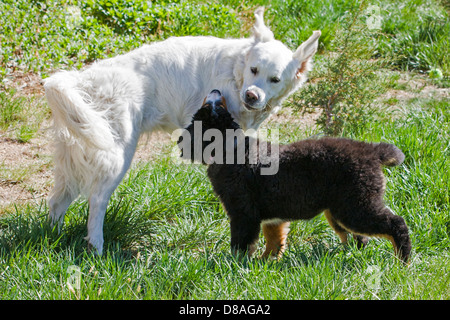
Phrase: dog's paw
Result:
[94,247]
[361,241]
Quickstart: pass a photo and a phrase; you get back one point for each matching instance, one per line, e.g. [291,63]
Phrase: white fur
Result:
[100,112]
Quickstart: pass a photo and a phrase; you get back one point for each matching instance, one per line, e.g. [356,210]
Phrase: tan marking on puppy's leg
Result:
[385,236]
[336,227]
[397,251]
[390,238]
[275,235]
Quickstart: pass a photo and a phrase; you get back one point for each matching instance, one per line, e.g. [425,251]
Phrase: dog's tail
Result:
[74,117]
[389,154]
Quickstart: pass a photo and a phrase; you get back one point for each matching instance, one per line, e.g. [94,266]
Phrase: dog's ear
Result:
[224,103]
[260,30]
[304,53]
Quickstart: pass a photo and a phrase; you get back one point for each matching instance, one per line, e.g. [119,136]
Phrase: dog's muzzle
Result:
[215,99]
[253,98]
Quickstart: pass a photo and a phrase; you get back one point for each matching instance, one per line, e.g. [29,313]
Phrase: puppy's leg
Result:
[342,233]
[361,241]
[398,235]
[244,234]
[275,235]
[380,223]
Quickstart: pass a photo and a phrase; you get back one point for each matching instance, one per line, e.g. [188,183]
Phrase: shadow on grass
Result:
[342,256]
[26,229]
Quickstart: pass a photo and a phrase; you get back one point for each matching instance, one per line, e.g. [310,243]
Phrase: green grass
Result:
[166,234]
[21,116]
[40,36]
[415,35]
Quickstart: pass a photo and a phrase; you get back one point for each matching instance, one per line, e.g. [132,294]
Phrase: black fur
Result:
[340,176]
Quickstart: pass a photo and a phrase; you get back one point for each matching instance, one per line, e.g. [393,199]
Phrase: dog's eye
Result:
[274,79]
[254,70]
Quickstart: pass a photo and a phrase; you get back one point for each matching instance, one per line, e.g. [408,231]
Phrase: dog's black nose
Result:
[216,92]
[251,97]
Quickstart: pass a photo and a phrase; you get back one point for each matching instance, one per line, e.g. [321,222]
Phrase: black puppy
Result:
[340,177]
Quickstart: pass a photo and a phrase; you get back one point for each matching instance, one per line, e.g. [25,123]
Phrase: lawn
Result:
[166,234]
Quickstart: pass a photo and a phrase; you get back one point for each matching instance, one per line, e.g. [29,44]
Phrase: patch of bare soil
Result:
[24,171]
[26,168]
[416,88]
[26,83]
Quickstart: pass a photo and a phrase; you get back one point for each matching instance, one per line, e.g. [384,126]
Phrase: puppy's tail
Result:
[389,154]
[74,117]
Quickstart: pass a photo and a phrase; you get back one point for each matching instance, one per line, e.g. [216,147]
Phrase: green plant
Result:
[20,116]
[144,18]
[346,82]
[41,36]
[414,35]
[301,18]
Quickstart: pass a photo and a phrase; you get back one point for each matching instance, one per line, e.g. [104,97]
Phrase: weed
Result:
[347,82]
[415,35]
[21,116]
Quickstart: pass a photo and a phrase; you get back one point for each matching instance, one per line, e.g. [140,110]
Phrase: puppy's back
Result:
[343,150]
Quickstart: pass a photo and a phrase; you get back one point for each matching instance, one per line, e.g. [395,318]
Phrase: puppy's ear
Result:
[305,51]
[260,30]
[224,103]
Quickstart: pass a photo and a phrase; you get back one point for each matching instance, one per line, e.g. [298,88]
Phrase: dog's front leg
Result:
[244,235]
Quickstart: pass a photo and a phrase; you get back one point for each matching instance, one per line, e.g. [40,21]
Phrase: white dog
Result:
[100,112]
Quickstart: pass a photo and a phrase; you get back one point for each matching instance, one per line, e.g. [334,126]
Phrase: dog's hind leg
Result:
[275,234]
[58,203]
[98,202]
[380,223]
[342,233]
[105,184]
[64,191]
